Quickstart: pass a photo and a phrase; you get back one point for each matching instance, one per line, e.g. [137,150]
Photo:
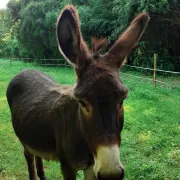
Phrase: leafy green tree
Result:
[28,27]
[8,41]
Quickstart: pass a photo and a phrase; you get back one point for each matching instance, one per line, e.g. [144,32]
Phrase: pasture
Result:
[150,148]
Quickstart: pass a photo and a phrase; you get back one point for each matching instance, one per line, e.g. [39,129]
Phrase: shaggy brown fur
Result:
[77,125]
[98,43]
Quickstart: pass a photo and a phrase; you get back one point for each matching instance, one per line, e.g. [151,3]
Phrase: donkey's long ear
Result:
[123,46]
[70,40]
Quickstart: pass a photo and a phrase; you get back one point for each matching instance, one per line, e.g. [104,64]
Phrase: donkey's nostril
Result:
[99,176]
[122,174]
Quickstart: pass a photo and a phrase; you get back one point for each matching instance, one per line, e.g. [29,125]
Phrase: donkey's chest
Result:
[46,155]
[76,151]
[79,158]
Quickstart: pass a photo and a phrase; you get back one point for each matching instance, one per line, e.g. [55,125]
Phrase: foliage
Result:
[32,28]
[37,28]
[8,42]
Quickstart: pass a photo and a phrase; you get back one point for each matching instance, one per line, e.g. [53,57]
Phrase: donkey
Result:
[78,125]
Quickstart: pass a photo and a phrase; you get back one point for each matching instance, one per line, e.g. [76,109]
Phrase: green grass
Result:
[150,148]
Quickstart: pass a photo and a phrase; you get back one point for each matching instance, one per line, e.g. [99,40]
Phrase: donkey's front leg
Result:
[68,172]
[30,163]
[89,173]
[40,168]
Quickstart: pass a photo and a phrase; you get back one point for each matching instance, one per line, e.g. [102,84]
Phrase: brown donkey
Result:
[78,126]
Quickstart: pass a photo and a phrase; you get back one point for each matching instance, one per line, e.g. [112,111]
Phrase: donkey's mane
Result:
[98,43]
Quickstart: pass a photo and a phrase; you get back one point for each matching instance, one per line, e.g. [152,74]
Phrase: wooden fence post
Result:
[155,70]
[10,61]
[65,65]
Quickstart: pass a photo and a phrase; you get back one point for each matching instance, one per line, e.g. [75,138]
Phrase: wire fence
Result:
[154,80]
[64,64]
[44,62]
[154,70]
[150,80]
[158,70]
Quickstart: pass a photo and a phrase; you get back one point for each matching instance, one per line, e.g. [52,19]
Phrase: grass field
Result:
[150,148]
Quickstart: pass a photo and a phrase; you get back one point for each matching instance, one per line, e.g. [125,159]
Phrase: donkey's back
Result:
[28,81]
[31,96]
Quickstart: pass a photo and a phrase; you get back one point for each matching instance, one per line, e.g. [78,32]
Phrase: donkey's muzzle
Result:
[107,163]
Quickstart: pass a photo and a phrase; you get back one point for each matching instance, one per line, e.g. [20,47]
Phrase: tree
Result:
[31,27]
[8,41]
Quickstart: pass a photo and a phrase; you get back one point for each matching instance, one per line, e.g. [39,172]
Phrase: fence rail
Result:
[159,70]
[62,63]
[155,70]
[137,76]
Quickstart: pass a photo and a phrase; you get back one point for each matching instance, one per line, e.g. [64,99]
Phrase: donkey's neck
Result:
[69,118]
[67,109]
[64,102]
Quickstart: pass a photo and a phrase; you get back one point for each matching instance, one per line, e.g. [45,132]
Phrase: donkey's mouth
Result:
[91,162]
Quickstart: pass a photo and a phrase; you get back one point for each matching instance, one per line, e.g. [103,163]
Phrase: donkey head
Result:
[99,88]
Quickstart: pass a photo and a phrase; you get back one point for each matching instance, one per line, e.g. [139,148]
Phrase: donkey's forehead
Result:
[99,82]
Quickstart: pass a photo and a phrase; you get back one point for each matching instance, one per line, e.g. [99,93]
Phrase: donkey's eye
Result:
[82,103]
[120,104]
